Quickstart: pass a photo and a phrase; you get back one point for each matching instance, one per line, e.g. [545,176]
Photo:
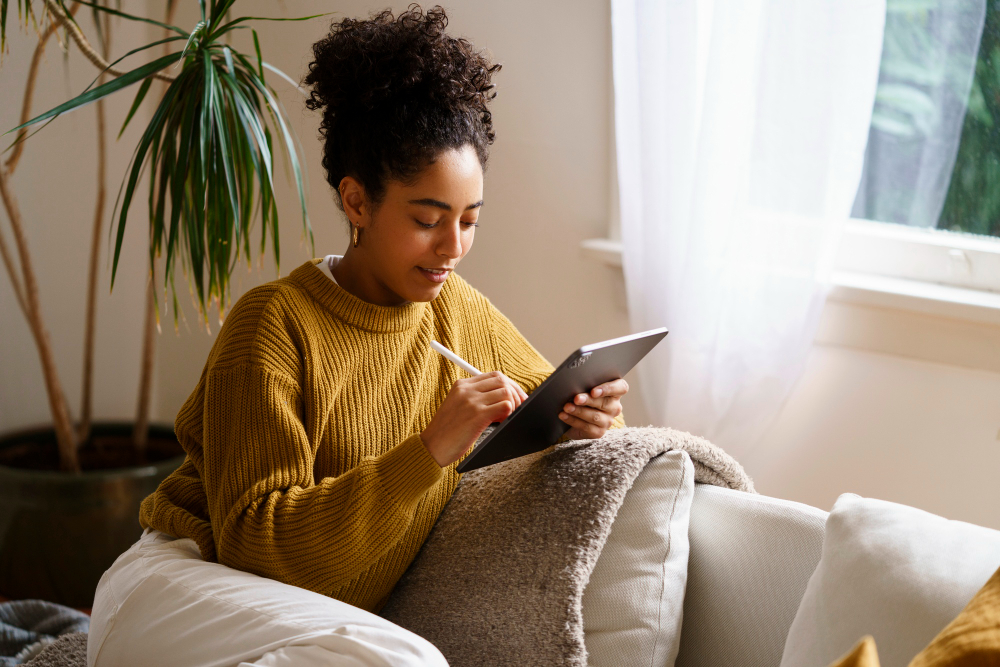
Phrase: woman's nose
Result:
[450,244]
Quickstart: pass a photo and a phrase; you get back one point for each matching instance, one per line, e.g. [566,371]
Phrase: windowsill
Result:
[931,322]
[928,298]
[606,251]
[870,290]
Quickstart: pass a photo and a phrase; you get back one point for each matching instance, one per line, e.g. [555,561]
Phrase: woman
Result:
[323,434]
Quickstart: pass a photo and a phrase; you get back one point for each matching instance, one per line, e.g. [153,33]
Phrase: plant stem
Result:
[15,283]
[86,400]
[68,460]
[29,91]
[12,161]
[140,432]
[92,55]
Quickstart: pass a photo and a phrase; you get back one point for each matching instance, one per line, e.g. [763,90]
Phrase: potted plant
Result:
[70,494]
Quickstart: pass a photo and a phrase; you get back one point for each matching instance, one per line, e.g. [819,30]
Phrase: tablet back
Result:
[535,425]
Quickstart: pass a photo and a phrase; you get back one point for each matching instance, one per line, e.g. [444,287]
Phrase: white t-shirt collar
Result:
[331,261]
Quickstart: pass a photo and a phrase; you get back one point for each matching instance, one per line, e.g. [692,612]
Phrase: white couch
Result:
[750,559]
[772,582]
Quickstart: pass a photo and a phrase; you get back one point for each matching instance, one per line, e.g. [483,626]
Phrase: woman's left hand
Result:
[591,414]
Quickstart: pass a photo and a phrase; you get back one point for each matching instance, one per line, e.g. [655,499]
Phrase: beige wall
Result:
[55,185]
[907,430]
[893,404]
[867,418]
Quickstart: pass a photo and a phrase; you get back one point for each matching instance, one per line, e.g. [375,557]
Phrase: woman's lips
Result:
[438,277]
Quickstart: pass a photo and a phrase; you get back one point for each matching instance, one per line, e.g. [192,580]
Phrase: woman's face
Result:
[429,224]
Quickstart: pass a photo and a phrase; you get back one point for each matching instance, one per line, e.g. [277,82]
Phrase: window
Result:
[926,216]
[933,157]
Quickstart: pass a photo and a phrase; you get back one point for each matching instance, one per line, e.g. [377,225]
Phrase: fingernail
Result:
[570,409]
[598,391]
[563,416]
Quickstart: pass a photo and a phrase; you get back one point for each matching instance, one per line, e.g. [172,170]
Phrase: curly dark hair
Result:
[395,92]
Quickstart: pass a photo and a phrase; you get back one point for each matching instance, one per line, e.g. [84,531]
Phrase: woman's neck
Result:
[353,274]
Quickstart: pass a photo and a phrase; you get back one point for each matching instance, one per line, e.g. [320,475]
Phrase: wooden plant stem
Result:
[81,41]
[86,400]
[140,432]
[15,282]
[68,460]
[29,90]
[15,157]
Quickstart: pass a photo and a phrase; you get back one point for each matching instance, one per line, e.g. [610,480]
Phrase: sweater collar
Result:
[356,312]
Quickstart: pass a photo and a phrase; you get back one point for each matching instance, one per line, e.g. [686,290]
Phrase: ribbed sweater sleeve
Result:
[519,359]
[269,515]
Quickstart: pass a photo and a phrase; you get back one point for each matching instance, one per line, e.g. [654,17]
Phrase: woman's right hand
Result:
[471,405]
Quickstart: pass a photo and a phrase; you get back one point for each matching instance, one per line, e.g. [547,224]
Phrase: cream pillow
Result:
[633,603]
[890,571]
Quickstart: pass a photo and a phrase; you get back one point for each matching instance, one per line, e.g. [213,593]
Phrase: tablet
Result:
[535,425]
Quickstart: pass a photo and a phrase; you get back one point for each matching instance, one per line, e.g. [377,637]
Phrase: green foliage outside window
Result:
[918,89]
[973,201]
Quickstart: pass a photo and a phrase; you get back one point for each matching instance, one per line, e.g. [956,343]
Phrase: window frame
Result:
[934,256]
[930,271]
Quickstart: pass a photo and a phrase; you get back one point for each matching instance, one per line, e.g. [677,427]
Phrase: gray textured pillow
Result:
[68,650]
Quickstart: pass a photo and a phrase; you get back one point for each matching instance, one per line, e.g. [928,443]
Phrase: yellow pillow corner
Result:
[862,655]
[972,639]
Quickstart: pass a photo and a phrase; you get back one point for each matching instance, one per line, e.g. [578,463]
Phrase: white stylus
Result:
[441,349]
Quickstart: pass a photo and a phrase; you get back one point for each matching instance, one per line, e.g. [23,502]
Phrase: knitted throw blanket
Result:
[28,626]
[500,578]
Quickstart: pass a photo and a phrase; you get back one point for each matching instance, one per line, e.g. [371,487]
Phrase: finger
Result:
[517,388]
[617,387]
[591,415]
[585,399]
[491,379]
[611,407]
[608,404]
[498,378]
[503,393]
[591,430]
[515,394]
[499,397]
[509,392]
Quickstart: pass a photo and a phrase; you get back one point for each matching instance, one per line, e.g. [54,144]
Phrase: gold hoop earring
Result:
[355,237]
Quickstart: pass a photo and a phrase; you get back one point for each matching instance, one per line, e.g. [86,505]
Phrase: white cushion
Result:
[892,571]
[751,557]
[633,603]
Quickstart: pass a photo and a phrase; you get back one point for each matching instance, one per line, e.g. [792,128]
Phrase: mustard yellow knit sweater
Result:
[304,460]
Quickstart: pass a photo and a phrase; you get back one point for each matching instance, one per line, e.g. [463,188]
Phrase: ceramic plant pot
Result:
[60,531]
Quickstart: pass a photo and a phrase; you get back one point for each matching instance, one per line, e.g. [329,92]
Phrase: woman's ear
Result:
[352,194]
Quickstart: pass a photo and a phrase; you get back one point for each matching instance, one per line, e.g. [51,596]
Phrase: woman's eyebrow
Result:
[443,205]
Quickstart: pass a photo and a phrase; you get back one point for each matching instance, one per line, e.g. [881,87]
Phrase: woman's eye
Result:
[425,225]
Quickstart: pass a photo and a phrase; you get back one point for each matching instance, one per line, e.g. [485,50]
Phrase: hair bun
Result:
[395,91]
[366,65]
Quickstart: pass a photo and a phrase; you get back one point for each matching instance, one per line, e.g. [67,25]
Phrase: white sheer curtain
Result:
[928,65]
[740,128]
